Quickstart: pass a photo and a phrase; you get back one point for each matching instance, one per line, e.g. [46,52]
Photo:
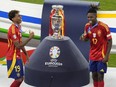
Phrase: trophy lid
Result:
[57,6]
[54,6]
[60,6]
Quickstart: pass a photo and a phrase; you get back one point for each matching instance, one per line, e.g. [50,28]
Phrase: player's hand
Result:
[105,60]
[31,34]
[81,37]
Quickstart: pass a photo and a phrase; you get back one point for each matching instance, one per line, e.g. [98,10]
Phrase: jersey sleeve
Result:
[107,32]
[13,34]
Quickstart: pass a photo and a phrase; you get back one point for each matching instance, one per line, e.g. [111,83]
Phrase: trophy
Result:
[57,21]
[56,26]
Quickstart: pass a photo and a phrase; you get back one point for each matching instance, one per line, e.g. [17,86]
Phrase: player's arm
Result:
[21,45]
[25,52]
[109,45]
[108,51]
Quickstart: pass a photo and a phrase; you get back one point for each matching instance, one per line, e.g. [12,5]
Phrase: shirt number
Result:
[17,68]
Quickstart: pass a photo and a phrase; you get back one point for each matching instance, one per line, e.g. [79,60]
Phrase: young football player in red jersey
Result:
[15,45]
[100,45]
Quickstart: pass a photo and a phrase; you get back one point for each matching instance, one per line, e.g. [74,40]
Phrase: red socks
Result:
[95,83]
[101,84]
[98,84]
[16,84]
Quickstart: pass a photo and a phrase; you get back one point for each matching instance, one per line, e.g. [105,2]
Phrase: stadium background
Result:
[105,5]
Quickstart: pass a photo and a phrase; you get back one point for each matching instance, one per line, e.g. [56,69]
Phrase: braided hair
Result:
[93,9]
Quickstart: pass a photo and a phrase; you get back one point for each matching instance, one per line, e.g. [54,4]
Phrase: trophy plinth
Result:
[57,63]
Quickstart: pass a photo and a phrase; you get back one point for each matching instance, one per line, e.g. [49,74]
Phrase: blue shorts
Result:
[98,66]
[18,69]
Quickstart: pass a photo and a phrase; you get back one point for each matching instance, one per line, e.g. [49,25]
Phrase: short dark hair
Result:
[93,9]
[12,14]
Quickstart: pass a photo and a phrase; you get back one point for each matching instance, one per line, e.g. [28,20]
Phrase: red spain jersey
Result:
[14,34]
[99,34]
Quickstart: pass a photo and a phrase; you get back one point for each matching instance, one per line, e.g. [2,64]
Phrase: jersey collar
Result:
[90,28]
[18,27]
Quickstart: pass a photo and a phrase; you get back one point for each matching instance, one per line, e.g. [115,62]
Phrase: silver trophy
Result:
[56,21]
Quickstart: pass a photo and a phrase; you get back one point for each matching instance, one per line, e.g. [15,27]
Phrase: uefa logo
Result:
[54,52]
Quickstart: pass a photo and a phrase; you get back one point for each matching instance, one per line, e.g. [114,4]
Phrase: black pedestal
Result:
[57,63]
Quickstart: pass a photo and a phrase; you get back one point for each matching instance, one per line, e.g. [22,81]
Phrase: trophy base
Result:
[57,63]
[54,36]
